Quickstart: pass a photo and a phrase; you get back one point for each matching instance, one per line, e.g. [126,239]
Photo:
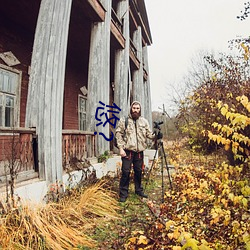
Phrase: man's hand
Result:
[122,152]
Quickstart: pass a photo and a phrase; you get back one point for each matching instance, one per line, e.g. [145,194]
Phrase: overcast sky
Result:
[181,28]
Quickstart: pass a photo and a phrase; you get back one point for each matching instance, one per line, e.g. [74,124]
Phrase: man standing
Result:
[132,141]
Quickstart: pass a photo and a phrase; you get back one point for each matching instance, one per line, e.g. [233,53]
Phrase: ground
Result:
[137,213]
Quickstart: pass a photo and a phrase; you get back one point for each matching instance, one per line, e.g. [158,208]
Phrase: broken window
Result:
[9,97]
[82,103]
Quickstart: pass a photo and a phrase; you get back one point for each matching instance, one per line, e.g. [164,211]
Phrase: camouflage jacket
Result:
[135,136]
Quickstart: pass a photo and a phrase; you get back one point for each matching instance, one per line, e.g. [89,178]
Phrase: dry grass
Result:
[60,225]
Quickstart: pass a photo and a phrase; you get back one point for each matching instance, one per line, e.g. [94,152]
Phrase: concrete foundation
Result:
[34,191]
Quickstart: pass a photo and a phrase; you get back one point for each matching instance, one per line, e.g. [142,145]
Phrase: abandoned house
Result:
[59,62]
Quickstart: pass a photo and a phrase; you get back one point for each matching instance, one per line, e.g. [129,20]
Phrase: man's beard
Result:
[135,115]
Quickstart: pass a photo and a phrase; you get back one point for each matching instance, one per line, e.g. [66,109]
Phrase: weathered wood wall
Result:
[138,88]
[99,75]
[45,97]
[16,39]
[70,110]
[74,146]
[42,103]
[147,90]
[16,151]
[122,79]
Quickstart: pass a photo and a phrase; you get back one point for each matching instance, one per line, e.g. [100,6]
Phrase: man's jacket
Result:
[135,136]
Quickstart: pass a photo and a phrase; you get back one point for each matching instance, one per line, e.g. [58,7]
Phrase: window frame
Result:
[17,95]
[80,111]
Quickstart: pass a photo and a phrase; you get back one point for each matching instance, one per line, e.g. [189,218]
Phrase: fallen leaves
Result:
[208,208]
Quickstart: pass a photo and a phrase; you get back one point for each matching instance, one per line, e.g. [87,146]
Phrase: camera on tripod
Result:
[157,131]
[159,148]
[157,125]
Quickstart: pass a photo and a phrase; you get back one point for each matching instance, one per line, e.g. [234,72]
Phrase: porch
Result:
[19,152]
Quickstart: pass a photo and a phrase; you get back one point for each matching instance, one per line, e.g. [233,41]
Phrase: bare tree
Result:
[12,167]
[245,12]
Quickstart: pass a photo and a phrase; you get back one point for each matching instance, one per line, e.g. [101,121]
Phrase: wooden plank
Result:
[137,17]
[9,58]
[42,38]
[17,150]
[98,8]
[133,21]
[21,177]
[148,112]
[62,52]
[138,85]
[76,132]
[144,30]
[92,9]
[17,130]
[118,37]
[135,61]
[144,16]
[122,62]
[47,76]
[99,74]
[74,147]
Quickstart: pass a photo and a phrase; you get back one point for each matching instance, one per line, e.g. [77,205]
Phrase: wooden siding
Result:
[47,79]
[49,95]
[19,147]
[70,111]
[116,31]
[17,150]
[77,145]
[93,9]
[99,74]
[135,62]
[20,44]
[122,72]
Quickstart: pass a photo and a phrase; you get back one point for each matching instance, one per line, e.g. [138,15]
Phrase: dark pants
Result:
[135,158]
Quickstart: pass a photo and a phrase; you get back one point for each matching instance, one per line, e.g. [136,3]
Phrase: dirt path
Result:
[137,214]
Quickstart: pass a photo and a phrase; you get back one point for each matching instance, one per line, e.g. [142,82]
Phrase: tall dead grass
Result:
[62,225]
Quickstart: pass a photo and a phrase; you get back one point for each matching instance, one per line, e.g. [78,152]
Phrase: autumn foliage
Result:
[235,134]
[208,208]
[223,78]
[209,205]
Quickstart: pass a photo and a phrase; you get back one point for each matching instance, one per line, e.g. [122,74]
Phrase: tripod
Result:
[161,152]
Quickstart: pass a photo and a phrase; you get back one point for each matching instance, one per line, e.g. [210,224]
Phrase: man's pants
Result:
[135,158]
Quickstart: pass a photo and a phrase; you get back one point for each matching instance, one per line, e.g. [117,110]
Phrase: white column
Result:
[138,88]
[122,76]
[99,75]
[147,95]
[45,96]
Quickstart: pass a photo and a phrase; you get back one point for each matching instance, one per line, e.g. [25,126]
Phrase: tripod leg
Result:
[165,158]
[149,172]
[162,178]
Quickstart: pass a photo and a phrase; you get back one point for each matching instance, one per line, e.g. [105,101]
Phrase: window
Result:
[82,103]
[9,97]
